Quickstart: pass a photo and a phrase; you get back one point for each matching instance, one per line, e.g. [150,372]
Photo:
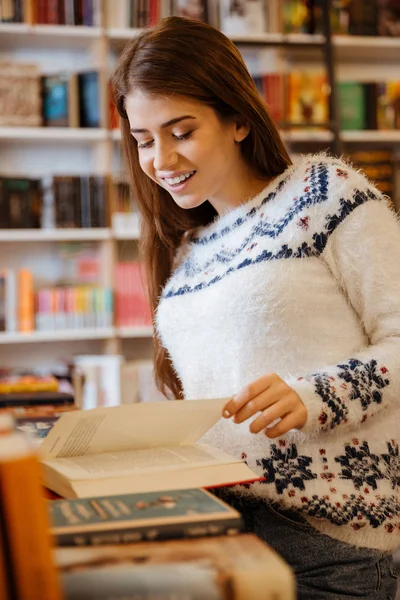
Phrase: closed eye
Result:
[144,144]
[180,138]
[185,136]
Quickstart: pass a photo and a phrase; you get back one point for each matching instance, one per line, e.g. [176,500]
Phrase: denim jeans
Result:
[325,568]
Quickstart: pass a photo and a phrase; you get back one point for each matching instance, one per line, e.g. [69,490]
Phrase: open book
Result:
[137,448]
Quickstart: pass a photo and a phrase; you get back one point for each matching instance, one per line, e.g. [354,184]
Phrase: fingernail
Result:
[226,413]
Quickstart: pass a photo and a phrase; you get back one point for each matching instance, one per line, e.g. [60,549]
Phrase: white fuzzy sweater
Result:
[304,281]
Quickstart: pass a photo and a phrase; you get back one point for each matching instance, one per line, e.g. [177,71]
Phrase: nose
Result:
[164,157]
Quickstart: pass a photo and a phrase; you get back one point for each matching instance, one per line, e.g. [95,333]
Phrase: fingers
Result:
[260,403]
[291,421]
[277,411]
[248,393]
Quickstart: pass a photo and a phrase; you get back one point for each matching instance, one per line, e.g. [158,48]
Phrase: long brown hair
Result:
[188,58]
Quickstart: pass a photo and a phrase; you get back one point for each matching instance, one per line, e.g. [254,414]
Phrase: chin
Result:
[188,203]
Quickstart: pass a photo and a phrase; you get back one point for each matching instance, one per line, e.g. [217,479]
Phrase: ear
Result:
[242,130]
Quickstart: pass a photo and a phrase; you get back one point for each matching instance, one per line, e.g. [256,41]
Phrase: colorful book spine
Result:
[131,300]
[73,307]
[26,311]
[24,519]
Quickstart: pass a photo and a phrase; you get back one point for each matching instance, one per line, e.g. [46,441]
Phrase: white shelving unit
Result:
[47,151]
[58,336]
[53,134]
[84,333]
[55,235]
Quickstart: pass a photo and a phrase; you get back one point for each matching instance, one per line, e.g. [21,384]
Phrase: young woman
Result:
[277,285]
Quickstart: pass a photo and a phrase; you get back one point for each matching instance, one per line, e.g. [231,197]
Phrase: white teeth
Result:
[176,180]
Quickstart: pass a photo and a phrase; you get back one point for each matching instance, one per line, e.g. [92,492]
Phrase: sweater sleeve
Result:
[362,250]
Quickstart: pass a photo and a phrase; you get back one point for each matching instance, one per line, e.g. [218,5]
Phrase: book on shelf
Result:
[132,305]
[138,382]
[190,9]
[138,448]
[26,309]
[308,98]
[89,99]
[60,100]
[101,375]
[388,105]
[36,399]
[242,17]
[20,95]
[378,166]
[273,88]
[389,18]
[238,567]
[20,202]
[52,12]
[129,518]
[80,201]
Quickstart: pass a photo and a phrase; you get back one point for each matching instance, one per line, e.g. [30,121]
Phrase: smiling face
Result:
[185,148]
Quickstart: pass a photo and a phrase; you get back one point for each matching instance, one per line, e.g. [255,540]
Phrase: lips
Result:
[177,180]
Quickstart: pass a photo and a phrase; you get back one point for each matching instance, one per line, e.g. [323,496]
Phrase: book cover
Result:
[352,106]
[132,518]
[190,9]
[296,16]
[388,105]
[20,93]
[241,17]
[308,98]
[36,399]
[55,100]
[89,99]
[238,567]
[21,198]
[363,17]
[389,18]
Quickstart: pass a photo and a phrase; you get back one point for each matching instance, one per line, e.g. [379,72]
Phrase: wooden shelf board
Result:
[136,331]
[56,134]
[54,235]
[57,336]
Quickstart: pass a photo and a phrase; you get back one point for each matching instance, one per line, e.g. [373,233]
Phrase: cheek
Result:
[145,163]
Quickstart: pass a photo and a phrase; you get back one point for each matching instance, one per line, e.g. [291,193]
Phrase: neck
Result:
[239,190]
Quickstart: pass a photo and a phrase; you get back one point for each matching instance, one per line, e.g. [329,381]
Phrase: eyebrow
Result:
[164,125]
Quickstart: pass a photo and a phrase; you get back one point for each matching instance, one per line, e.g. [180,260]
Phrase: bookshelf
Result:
[28,151]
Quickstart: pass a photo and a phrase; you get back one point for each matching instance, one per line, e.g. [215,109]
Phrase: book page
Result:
[132,462]
[131,427]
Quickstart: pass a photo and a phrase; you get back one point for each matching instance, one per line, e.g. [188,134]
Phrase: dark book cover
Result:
[4,207]
[21,200]
[36,399]
[131,518]
[85,202]
[78,9]
[363,17]
[64,201]
[2,302]
[389,18]
[89,100]
[98,201]
[371,105]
